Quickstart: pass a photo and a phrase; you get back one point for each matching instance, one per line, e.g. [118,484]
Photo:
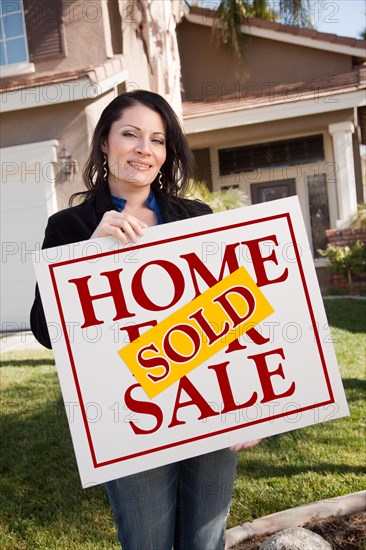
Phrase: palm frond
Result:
[218,200]
[232,13]
[226,28]
[296,12]
[263,10]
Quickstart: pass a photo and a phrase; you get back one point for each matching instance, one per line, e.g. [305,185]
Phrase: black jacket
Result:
[78,224]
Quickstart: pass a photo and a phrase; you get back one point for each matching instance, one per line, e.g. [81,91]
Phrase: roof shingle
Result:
[295,91]
[290,29]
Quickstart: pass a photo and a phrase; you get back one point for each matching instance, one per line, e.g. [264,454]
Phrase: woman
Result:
[136,176]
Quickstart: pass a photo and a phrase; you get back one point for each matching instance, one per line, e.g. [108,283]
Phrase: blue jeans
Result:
[184,504]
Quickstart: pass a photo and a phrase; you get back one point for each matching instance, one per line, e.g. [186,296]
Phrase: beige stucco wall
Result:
[151,50]
[65,122]
[42,123]
[135,61]
[143,32]
[72,124]
[210,72]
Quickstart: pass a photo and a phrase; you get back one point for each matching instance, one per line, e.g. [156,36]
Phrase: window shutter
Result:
[43,21]
[276,153]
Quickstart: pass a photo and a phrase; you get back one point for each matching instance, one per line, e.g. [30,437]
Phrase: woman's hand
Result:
[246,445]
[122,226]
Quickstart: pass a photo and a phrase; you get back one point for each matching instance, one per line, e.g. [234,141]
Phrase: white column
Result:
[344,171]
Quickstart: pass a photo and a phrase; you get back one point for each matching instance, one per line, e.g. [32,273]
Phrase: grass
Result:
[44,507]
[319,462]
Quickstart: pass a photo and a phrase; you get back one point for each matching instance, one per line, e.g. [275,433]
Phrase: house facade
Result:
[62,62]
[289,120]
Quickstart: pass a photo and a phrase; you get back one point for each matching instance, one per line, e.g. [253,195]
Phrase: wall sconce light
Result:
[66,162]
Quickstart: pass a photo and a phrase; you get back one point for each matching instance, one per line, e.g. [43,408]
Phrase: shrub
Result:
[348,260]
[218,200]
[359,219]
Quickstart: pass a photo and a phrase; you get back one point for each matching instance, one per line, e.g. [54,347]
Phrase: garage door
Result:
[28,198]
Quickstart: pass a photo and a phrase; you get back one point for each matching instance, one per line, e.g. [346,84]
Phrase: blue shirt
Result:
[151,203]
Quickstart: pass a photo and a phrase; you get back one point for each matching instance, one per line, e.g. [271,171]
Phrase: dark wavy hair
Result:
[179,164]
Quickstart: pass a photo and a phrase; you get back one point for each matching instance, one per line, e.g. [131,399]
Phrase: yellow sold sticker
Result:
[196,332]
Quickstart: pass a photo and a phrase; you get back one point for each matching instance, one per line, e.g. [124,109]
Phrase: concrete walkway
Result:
[17,341]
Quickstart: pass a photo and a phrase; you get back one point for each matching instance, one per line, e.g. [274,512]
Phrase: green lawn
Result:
[44,507]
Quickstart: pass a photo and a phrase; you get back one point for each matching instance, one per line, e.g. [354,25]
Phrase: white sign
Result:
[207,333]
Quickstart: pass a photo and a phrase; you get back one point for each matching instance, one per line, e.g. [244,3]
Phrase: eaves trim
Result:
[59,92]
[270,113]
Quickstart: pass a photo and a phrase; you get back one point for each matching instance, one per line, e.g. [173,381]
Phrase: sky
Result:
[342,17]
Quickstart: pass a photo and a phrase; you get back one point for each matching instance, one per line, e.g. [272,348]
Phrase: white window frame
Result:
[22,67]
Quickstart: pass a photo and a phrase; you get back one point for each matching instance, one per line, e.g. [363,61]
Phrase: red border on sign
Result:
[52,268]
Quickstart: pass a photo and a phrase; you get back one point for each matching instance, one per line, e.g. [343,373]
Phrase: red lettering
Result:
[207,328]
[153,362]
[196,399]
[265,376]
[143,407]
[196,265]
[257,337]
[140,295]
[133,331]
[225,388]
[259,261]
[235,345]
[172,353]
[254,335]
[228,308]
[86,299]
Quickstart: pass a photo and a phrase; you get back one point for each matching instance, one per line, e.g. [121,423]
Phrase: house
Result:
[62,62]
[290,120]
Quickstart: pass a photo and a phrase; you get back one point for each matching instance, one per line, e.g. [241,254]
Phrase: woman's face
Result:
[135,148]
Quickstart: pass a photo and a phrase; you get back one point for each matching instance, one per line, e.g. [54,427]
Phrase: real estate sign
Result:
[206,333]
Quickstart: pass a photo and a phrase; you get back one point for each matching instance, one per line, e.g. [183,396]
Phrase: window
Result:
[30,31]
[288,152]
[227,187]
[319,210]
[272,190]
[13,37]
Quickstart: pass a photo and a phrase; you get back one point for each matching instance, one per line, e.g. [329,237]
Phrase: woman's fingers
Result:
[122,226]
[132,227]
[246,445]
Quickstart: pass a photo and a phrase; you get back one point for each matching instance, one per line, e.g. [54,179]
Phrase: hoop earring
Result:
[160,180]
[105,167]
